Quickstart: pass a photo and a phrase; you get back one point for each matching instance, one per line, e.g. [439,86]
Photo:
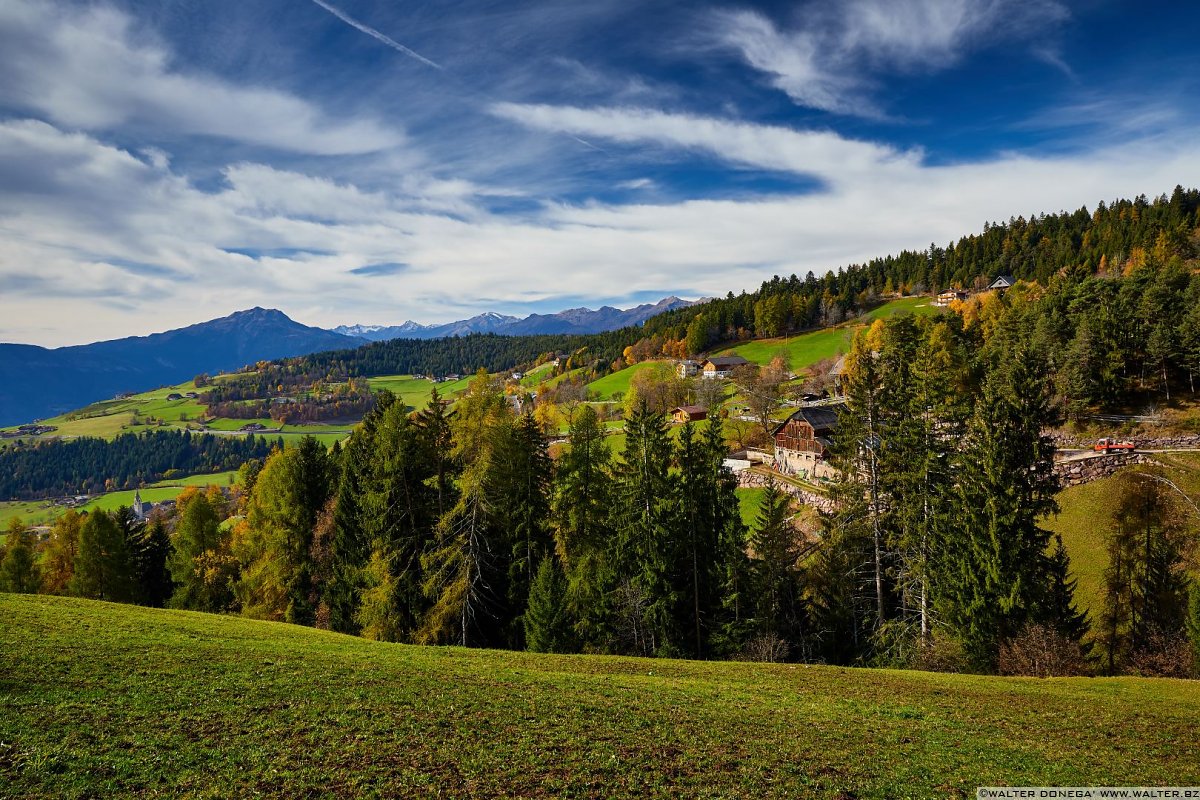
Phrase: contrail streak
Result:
[374,34]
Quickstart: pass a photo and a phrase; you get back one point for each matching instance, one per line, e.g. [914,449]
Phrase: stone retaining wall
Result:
[754,480]
[1190,441]
[1085,470]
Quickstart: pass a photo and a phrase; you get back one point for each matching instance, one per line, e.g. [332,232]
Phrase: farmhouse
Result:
[949,296]
[174,396]
[1003,282]
[688,414]
[802,442]
[688,368]
[722,366]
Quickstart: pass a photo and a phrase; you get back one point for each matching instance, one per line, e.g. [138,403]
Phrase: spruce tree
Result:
[349,546]
[580,511]
[995,567]
[731,574]
[646,541]
[397,515]
[464,571]
[1058,608]
[521,486]
[132,529]
[153,550]
[546,621]
[776,591]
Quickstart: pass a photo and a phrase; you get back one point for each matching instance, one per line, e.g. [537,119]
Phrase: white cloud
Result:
[89,232]
[821,153]
[636,184]
[90,68]
[827,63]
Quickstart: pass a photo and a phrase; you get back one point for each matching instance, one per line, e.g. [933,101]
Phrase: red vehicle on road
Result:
[1107,445]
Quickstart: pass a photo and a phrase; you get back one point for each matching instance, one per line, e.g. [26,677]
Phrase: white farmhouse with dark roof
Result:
[1003,282]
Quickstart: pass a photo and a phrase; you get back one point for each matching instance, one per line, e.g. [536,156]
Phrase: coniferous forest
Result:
[87,465]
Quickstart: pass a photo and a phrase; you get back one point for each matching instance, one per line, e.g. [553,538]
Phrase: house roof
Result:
[823,419]
[690,410]
[1003,282]
[726,361]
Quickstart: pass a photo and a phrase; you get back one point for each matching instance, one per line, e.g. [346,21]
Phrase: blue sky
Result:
[164,162]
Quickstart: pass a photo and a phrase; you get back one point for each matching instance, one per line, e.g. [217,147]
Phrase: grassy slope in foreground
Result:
[108,700]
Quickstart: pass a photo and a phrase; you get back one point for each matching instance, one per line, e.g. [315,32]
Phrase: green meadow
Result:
[102,700]
[415,391]
[806,349]
[610,386]
[41,512]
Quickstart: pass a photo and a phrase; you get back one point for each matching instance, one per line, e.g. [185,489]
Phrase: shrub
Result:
[1163,655]
[766,648]
[1040,651]
[941,654]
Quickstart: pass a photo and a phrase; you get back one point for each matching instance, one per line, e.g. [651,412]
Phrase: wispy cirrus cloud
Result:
[90,67]
[823,154]
[829,60]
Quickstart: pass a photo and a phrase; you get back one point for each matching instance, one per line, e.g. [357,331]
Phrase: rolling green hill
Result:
[806,349]
[610,386]
[107,700]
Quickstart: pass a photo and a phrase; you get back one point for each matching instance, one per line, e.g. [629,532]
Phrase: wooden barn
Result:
[802,442]
[684,414]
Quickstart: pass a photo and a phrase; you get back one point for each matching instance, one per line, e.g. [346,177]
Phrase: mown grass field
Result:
[807,349]
[99,700]
[415,391]
[108,418]
[749,502]
[610,386]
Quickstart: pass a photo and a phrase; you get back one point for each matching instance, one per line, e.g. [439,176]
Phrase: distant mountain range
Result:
[573,320]
[36,382]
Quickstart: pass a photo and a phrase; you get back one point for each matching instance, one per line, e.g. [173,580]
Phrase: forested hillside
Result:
[1112,278]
